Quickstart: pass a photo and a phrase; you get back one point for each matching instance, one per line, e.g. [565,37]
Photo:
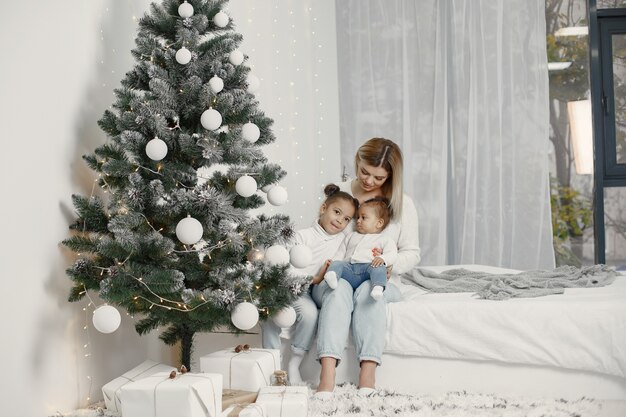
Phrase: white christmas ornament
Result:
[189,230]
[236,57]
[156,149]
[250,132]
[245,186]
[183,56]
[277,196]
[253,83]
[245,316]
[216,84]
[267,187]
[285,317]
[221,19]
[276,255]
[106,319]
[185,10]
[300,256]
[211,119]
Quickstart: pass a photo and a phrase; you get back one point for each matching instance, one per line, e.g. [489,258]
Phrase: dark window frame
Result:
[607,173]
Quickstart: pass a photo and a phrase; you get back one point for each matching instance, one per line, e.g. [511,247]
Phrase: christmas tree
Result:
[172,239]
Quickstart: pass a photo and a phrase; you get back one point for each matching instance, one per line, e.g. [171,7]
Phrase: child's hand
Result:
[320,275]
[378,261]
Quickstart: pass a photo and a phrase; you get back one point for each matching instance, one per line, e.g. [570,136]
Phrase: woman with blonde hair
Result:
[378,168]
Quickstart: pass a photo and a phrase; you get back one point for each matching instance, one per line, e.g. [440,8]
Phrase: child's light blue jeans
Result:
[344,306]
[357,274]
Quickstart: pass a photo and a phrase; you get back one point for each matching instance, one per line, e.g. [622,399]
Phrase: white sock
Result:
[293,368]
[331,279]
[377,292]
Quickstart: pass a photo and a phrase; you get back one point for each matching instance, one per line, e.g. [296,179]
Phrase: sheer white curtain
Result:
[462,86]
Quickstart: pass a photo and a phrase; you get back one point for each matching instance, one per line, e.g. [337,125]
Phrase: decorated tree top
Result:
[172,240]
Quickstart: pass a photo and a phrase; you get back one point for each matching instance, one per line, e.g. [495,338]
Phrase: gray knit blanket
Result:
[504,286]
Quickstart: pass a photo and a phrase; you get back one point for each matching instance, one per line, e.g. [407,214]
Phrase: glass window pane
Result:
[610,4]
[619,89]
[615,226]
[571,150]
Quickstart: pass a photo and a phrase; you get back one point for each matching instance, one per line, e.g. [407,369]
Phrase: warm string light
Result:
[151,170]
[87,345]
[208,249]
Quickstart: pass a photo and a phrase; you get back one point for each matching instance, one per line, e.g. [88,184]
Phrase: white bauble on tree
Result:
[156,149]
[221,19]
[245,186]
[253,83]
[189,230]
[276,255]
[277,196]
[216,84]
[236,57]
[185,10]
[106,319]
[211,119]
[285,317]
[183,56]
[300,256]
[267,187]
[244,316]
[250,132]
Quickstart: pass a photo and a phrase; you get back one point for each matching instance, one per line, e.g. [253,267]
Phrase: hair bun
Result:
[330,189]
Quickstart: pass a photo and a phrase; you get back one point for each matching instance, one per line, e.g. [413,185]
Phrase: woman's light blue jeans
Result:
[303,330]
[341,307]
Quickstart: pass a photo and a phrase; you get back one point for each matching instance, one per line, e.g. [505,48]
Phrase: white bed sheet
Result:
[582,329]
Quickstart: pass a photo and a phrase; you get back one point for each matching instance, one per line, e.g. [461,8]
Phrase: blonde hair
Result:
[384,153]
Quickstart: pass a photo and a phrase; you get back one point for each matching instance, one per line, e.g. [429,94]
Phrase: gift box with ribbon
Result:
[171,394]
[112,390]
[284,401]
[245,410]
[242,369]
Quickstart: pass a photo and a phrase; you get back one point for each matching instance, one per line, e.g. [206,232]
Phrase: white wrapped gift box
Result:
[284,401]
[247,370]
[187,395]
[111,391]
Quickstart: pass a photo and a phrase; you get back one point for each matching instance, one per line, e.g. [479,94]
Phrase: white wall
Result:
[61,61]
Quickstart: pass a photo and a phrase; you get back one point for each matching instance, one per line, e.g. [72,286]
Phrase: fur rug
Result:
[385,403]
[346,402]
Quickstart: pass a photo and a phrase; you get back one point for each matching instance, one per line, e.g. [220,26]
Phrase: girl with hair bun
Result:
[323,238]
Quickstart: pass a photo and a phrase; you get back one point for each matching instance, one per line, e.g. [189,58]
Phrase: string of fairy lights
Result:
[133,8]
[302,60]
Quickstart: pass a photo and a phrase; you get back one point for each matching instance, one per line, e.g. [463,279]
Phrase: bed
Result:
[560,346]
